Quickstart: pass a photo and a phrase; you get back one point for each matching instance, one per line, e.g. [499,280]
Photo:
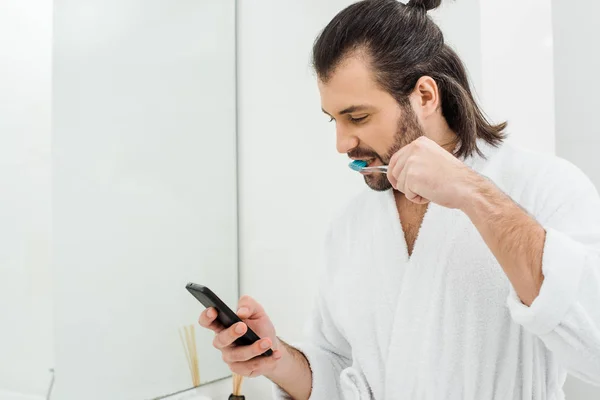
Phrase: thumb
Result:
[248,307]
[243,313]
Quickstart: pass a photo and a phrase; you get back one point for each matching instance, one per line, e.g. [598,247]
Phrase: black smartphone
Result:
[225,315]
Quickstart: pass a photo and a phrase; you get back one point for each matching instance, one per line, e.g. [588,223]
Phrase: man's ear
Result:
[425,97]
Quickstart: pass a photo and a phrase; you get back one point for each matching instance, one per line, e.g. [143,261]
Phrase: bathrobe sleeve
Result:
[325,348]
[566,313]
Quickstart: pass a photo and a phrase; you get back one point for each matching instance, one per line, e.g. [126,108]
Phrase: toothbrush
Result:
[361,166]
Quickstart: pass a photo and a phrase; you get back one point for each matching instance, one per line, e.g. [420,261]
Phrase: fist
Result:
[424,171]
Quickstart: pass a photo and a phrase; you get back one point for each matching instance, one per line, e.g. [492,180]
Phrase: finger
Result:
[407,185]
[411,196]
[403,184]
[399,174]
[244,353]
[248,308]
[208,320]
[393,171]
[396,165]
[391,179]
[420,200]
[227,336]
[257,366]
[395,156]
[401,155]
[390,171]
[392,163]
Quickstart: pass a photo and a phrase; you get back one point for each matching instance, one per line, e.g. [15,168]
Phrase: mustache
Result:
[362,153]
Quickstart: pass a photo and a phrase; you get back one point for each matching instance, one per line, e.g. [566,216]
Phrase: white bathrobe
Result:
[446,323]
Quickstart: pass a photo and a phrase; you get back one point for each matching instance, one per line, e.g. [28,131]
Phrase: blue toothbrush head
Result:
[357,165]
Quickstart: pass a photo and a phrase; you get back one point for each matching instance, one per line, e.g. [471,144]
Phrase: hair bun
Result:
[424,4]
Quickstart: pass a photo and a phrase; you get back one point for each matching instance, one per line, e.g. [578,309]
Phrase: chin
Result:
[378,182]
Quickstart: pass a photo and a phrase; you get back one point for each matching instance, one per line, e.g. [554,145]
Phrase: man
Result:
[470,271]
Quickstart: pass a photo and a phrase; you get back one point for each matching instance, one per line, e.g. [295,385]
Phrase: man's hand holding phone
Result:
[245,360]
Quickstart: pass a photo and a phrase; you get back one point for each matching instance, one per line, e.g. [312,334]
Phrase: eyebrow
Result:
[351,109]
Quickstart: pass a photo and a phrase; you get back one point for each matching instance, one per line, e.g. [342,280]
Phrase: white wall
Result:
[576,62]
[460,22]
[284,211]
[517,65]
[144,190]
[25,184]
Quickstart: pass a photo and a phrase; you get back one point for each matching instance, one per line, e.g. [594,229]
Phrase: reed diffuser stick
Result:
[237,384]
[191,352]
[187,355]
[195,358]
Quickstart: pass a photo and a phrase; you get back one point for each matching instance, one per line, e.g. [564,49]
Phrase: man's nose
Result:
[344,141]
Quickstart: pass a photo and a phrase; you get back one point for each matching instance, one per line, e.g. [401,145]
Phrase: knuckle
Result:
[203,319]
[419,143]
[270,363]
[235,356]
[217,342]
[241,369]
[256,352]
[232,334]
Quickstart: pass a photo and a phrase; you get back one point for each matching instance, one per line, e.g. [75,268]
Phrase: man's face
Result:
[370,124]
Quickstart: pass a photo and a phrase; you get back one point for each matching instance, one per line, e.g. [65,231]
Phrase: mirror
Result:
[143,191]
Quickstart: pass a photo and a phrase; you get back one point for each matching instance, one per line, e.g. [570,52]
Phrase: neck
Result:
[448,140]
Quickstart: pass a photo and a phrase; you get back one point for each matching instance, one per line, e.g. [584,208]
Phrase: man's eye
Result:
[356,120]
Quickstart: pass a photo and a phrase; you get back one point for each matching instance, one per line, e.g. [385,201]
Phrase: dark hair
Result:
[403,44]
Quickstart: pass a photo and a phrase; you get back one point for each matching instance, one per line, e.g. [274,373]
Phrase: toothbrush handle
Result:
[381,168]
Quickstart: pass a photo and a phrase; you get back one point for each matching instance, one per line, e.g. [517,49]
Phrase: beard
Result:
[408,130]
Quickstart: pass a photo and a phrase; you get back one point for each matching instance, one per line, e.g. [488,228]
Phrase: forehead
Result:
[350,83]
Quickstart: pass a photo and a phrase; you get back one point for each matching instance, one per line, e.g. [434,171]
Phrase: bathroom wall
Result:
[517,69]
[144,191]
[576,62]
[26,352]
